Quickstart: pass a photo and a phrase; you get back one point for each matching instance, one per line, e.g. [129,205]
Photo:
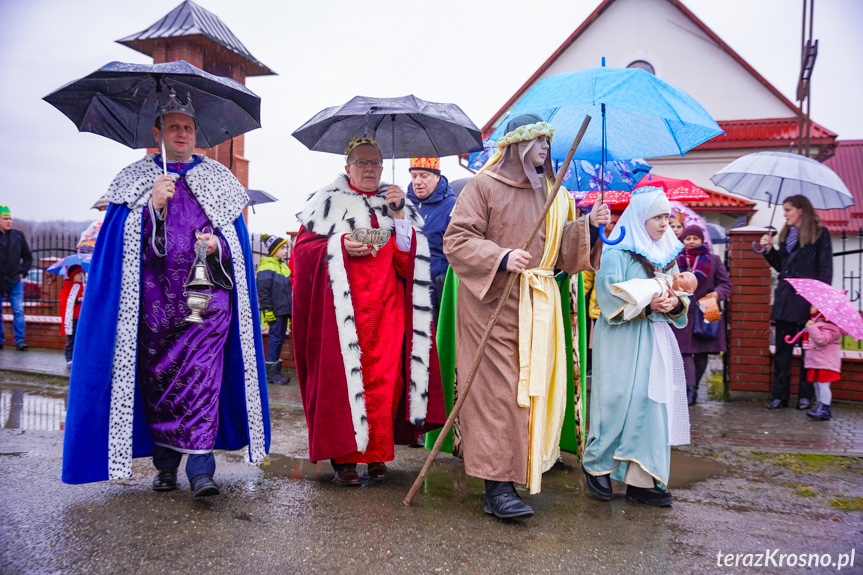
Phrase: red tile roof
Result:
[719,202]
[768,132]
[847,162]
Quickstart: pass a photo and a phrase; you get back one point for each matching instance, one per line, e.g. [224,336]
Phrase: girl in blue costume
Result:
[638,395]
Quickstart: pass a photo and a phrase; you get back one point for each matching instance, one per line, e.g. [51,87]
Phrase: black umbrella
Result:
[259,197]
[405,127]
[458,185]
[120,101]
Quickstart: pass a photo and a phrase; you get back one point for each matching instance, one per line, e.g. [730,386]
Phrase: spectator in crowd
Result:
[15,262]
[804,252]
[70,307]
[696,342]
[274,299]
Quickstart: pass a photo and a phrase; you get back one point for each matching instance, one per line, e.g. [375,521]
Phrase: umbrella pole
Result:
[464,388]
[622,233]
[162,142]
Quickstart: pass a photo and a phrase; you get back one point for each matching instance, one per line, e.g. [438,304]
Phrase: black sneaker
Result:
[21,346]
[598,486]
[203,486]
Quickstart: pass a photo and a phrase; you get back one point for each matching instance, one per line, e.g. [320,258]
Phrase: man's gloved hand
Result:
[269,316]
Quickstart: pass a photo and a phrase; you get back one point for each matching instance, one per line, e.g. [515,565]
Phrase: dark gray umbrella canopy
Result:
[260,197]
[120,101]
[405,127]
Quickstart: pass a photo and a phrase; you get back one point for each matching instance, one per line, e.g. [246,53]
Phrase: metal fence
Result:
[22,410]
[849,263]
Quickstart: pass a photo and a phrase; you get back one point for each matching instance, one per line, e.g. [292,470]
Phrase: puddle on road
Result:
[32,411]
[686,470]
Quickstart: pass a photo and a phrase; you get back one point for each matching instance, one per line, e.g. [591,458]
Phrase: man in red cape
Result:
[362,320]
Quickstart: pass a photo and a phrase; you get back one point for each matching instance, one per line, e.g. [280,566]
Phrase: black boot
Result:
[274,373]
[165,480]
[652,496]
[203,486]
[598,486]
[502,501]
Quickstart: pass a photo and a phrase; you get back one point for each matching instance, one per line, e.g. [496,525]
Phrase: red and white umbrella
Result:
[832,303]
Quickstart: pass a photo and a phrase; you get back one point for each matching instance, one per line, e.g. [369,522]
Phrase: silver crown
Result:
[175,106]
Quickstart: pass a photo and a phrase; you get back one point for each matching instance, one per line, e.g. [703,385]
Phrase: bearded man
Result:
[362,320]
[511,421]
[145,381]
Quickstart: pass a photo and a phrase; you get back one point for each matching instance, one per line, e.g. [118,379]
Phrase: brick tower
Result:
[190,33]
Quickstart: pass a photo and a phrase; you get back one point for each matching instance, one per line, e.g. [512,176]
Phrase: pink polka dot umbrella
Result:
[832,303]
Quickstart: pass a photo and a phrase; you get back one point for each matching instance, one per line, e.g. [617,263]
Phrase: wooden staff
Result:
[464,387]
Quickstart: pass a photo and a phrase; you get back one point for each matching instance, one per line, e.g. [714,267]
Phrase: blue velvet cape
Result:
[85,448]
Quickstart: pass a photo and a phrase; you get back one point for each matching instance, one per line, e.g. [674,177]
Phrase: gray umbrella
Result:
[405,127]
[120,101]
[259,197]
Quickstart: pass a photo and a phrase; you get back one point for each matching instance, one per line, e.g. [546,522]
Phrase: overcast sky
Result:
[475,54]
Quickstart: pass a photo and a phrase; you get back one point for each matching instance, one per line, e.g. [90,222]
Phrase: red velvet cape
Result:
[321,373]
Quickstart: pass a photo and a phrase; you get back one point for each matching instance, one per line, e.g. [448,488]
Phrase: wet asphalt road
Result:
[287,516]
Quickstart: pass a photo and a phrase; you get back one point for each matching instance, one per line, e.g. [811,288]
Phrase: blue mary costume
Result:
[196,397]
[627,424]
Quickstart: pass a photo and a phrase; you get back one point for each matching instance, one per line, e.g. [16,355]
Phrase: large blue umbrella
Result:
[642,116]
[645,116]
[583,176]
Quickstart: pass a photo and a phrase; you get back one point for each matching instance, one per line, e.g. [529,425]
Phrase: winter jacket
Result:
[15,258]
[813,261]
[716,281]
[824,351]
[274,286]
[435,210]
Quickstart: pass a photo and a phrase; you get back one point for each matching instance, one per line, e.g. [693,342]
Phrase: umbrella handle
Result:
[756,247]
[605,239]
[789,340]
[396,207]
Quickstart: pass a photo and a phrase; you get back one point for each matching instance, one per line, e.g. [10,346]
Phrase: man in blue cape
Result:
[145,381]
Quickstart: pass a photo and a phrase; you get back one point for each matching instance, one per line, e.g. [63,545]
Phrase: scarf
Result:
[695,260]
[791,239]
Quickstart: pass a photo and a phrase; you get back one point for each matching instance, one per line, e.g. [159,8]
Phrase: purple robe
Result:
[179,363]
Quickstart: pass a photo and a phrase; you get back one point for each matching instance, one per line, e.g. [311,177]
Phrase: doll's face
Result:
[685,281]
[656,226]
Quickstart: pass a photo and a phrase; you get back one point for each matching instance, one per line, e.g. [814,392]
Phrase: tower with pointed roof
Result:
[191,33]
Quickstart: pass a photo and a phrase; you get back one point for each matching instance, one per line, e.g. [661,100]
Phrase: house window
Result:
[643,65]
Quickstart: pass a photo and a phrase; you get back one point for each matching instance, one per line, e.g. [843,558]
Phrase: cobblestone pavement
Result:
[741,423]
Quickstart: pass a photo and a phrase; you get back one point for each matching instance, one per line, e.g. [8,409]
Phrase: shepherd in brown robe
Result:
[512,418]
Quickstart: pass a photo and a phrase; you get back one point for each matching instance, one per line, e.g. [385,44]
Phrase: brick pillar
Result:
[182,49]
[748,314]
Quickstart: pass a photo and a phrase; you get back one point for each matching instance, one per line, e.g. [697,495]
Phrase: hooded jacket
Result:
[274,286]
[435,211]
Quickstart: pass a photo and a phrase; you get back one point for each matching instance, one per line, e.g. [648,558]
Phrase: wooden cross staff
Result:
[464,388]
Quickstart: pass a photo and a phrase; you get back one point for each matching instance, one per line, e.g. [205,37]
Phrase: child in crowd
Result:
[275,299]
[638,406]
[70,307]
[823,361]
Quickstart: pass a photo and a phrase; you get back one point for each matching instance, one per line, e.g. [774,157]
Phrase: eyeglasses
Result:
[367,164]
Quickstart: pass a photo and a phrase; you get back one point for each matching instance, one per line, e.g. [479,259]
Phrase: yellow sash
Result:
[542,347]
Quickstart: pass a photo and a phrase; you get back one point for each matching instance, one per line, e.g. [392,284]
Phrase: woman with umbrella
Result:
[804,252]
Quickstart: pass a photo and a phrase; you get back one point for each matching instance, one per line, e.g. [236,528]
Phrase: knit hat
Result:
[429,164]
[272,243]
[693,230]
[5,211]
